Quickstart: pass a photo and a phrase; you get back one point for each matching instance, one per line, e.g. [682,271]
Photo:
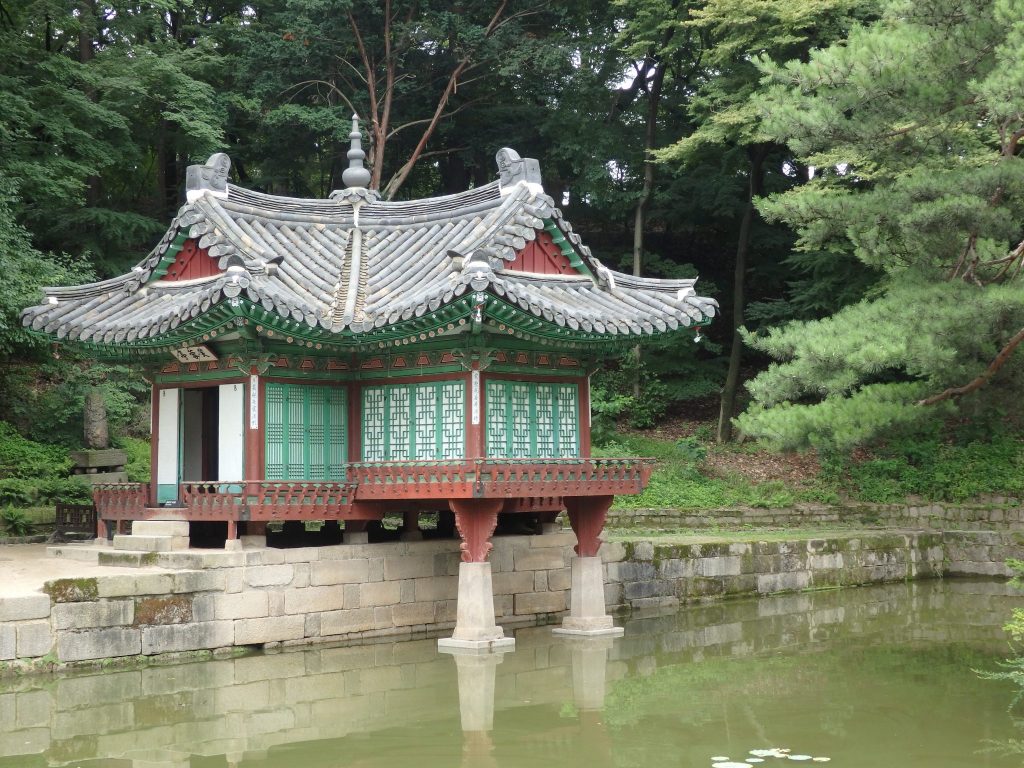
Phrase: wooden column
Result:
[475,447]
[476,520]
[254,422]
[584,417]
[586,516]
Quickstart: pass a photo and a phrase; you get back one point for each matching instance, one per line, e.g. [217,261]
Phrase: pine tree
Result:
[913,125]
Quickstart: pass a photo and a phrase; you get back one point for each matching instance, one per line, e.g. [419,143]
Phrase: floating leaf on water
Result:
[729,764]
[755,759]
[821,759]
[799,757]
[719,759]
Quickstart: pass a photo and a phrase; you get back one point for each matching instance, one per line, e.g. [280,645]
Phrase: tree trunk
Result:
[86,53]
[732,378]
[640,217]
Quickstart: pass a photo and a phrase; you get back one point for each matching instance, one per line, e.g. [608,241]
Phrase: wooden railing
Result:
[386,481]
[501,478]
[74,519]
[120,500]
[266,499]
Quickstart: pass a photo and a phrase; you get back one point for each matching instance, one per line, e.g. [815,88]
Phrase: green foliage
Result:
[932,468]
[46,400]
[678,482]
[918,180]
[139,456]
[25,272]
[34,473]
[15,522]
[27,460]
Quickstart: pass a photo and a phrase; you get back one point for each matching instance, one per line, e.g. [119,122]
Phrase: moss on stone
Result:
[72,590]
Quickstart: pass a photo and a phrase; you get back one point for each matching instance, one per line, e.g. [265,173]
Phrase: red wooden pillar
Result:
[584,417]
[475,413]
[355,422]
[586,516]
[476,520]
[254,423]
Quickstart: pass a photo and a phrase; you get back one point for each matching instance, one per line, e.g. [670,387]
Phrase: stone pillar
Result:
[411,527]
[254,535]
[476,675]
[355,532]
[589,669]
[475,627]
[587,615]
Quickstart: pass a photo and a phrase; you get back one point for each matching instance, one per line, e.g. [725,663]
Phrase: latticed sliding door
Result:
[532,420]
[414,422]
[305,432]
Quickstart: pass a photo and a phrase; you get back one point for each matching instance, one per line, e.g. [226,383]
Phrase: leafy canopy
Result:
[913,124]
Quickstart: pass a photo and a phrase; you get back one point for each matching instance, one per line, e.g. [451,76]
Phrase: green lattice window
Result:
[407,422]
[529,420]
[305,432]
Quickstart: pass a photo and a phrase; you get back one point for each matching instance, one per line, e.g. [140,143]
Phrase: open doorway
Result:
[200,434]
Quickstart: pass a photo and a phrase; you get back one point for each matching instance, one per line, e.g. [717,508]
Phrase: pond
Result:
[878,676]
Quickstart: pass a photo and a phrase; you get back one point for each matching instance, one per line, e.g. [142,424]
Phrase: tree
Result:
[725,113]
[914,125]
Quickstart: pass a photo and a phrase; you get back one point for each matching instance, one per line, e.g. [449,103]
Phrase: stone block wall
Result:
[999,515]
[648,574]
[267,597]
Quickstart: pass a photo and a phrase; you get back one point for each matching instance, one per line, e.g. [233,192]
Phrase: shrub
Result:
[23,458]
[15,522]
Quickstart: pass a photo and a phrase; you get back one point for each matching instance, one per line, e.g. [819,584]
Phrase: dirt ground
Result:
[24,568]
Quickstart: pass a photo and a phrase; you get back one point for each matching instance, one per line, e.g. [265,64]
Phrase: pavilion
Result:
[347,358]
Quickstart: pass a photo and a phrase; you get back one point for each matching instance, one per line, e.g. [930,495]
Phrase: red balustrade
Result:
[497,478]
[118,501]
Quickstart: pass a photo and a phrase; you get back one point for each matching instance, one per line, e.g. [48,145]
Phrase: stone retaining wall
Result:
[265,597]
[649,574]
[209,600]
[1001,514]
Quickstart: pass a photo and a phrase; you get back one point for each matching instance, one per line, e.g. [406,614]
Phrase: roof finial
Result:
[355,175]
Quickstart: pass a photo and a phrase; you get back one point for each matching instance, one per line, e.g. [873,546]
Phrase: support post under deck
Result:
[475,627]
[587,615]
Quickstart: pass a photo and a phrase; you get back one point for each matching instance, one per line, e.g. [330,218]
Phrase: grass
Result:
[941,466]
[678,482]
[687,536]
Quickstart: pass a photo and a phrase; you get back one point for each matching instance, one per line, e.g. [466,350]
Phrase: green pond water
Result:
[873,677]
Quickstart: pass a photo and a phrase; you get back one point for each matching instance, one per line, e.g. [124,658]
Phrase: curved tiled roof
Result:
[347,266]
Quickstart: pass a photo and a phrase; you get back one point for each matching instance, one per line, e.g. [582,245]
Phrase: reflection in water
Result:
[870,677]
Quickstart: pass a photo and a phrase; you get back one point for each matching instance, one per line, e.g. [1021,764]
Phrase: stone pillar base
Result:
[355,537]
[587,617]
[548,528]
[251,541]
[476,673]
[475,628]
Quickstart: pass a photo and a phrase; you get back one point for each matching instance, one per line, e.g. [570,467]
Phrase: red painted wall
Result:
[192,262]
[543,256]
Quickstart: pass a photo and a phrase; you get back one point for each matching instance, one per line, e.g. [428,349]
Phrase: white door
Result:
[167,448]
[231,432]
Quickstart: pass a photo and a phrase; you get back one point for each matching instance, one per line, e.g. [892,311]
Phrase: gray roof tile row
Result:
[350,268]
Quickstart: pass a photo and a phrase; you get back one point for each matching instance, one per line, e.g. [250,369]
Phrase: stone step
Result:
[83,553]
[136,543]
[160,528]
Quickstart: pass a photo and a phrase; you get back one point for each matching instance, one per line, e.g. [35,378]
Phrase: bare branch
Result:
[980,381]
[403,173]
[446,115]
[300,87]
